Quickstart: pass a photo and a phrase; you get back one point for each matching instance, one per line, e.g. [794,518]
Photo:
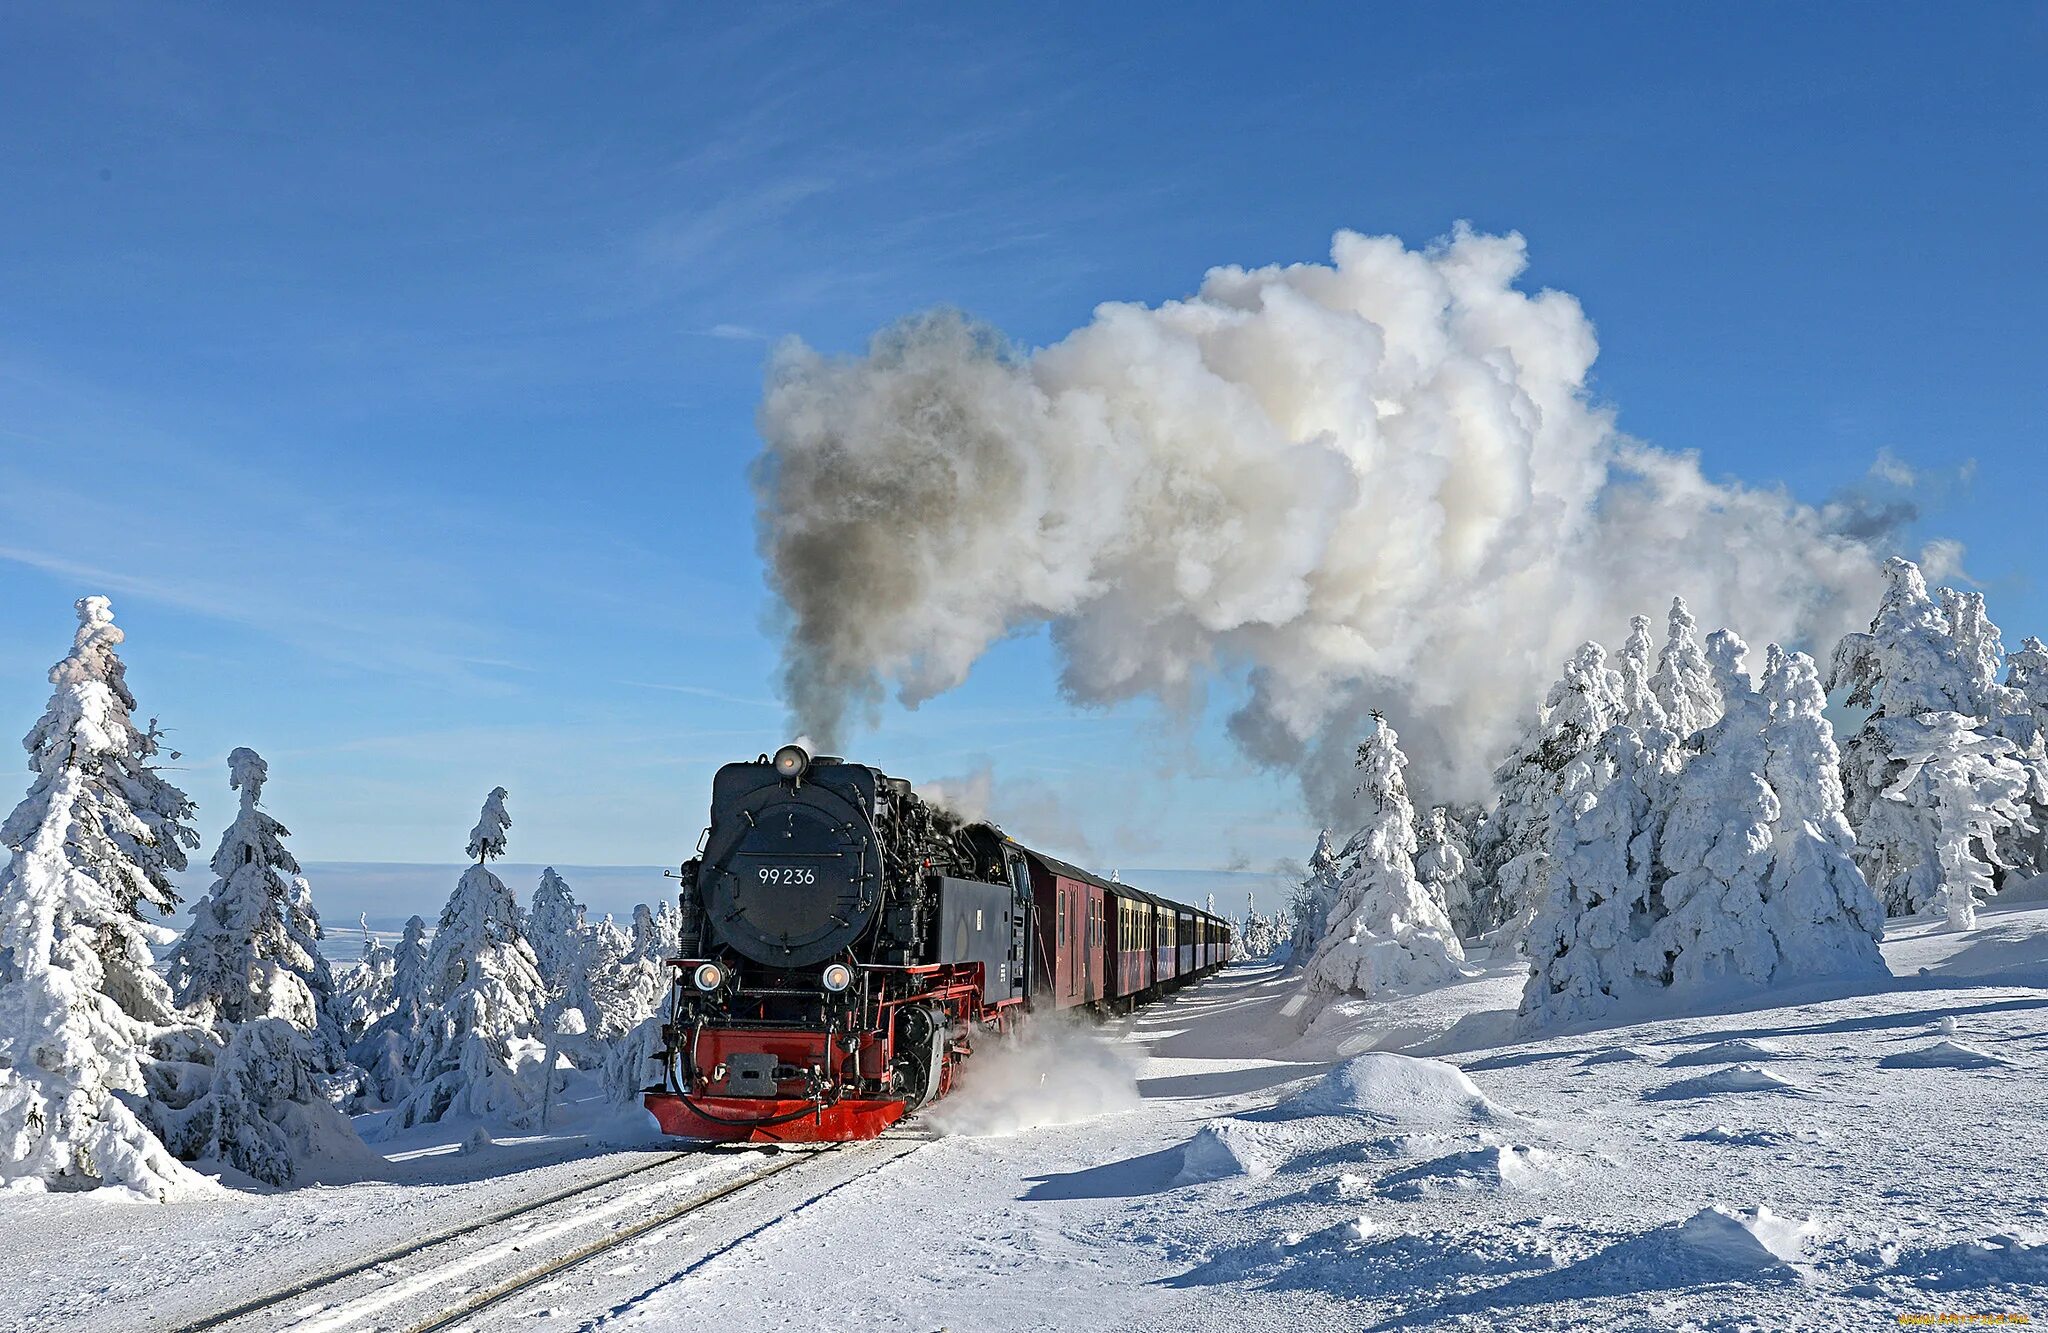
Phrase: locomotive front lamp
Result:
[791,761]
[708,975]
[837,977]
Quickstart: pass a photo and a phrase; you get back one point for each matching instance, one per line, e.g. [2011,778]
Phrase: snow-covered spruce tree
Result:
[2002,710]
[1683,682]
[668,930]
[2027,676]
[1957,791]
[634,986]
[90,845]
[381,1051]
[260,1101]
[1979,654]
[1717,843]
[657,931]
[252,950]
[620,989]
[1588,945]
[1257,934]
[95,766]
[565,949]
[554,927]
[632,1063]
[1441,865]
[484,995]
[1820,911]
[1310,904]
[1640,707]
[1513,848]
[364,994]
[1917,677]
[1386,931]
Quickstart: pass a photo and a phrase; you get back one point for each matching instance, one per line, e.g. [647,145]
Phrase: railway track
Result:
[427,1285]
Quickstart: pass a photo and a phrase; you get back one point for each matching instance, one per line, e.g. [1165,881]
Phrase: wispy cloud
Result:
[702,692]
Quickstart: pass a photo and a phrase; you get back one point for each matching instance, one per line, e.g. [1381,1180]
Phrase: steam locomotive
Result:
[846,942]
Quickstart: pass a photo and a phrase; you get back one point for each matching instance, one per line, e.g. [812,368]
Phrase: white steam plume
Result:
[1376,482]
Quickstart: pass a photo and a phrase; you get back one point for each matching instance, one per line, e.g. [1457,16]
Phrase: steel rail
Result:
[534,1276]
[260,1303]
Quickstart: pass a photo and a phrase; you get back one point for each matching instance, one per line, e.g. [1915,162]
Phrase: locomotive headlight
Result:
[707,976]
[837,977]
[791,761]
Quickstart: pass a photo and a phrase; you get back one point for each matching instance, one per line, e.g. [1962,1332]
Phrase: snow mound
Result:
[1735,1078]
[1228,1148]
[1508,1167]
[1985,1261]
[1728,1053]
[1616,1055]
[1946,1055]
[1748,1238]
[1398,1089]
[1357,1259]
[1736,1138]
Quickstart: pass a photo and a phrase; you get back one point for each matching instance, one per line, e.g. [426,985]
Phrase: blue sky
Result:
[394,368]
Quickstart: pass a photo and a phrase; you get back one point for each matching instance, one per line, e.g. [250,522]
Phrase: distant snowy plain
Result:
[1824,1158]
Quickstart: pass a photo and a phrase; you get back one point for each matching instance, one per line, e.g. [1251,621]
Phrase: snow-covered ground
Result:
[1822,1159]
[1568,1193]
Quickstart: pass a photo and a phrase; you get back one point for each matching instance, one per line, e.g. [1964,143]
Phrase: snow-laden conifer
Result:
[1683,682]
[636,985]
[1513,845]
[253,1097]
[89,847]
[1717,841]
[1258,934]
[1640,707]
[622,990]
[487,839]
[1589,944]
[251,951]
[657,931]
[1956,792]
[1315,897]
[250,966]
[484,994]
[1917,676]
[575,971]
[632,1063]
[2027,676]
[1386,931]
[1730,870]
[1821,913]
[364,995]
[2001,709]
[1441,865]
[555,929]
[382,1049]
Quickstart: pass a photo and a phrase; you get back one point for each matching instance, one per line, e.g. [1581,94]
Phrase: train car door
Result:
[1080,894]
[1065,940]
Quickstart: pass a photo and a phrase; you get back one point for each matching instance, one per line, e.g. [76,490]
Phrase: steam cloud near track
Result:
[1378,482]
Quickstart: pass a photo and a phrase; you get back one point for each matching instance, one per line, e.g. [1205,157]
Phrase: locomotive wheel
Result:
[921,1055]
